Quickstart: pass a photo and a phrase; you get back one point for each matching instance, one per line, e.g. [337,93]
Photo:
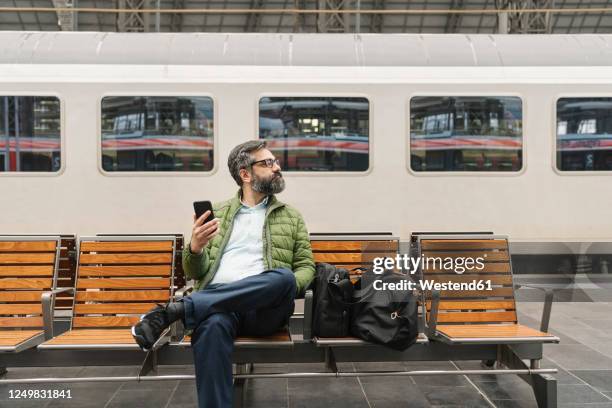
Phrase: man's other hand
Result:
[202,233]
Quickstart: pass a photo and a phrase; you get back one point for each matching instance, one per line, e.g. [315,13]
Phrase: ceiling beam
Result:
[333,22]
[134,21]
[521,20]
[66,20]
[299,19]
[422,20]
[376,22]
[598,24]
[176,21]
[253,19]
[454,20]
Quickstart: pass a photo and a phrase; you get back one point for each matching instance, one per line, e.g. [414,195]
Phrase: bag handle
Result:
[345,286]
[342,287]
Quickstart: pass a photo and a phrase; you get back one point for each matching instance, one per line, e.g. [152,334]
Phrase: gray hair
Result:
[240,157]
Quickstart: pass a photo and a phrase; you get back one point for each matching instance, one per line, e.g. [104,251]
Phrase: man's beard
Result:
[273,185]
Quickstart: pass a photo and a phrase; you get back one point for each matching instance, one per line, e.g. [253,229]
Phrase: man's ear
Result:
[245,175]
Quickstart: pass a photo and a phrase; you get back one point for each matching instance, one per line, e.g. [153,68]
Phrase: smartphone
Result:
[200,207]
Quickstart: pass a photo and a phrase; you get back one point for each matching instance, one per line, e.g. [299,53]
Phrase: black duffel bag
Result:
[332,295]
[387,317]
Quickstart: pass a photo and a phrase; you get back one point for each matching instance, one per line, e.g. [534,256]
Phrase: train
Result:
[121,133]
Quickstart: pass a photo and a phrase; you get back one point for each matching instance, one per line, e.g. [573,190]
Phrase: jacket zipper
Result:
[221,247]
[266,234]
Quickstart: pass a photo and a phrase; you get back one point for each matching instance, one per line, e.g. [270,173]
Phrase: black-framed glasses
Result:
[268,162]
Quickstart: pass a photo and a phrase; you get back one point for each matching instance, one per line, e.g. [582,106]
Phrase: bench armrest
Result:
[308,312]
[48,304]
[548,299]
[177,329]
[430,324]
[184,291]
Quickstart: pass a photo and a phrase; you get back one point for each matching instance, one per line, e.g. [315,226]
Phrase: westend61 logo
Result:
[458,265]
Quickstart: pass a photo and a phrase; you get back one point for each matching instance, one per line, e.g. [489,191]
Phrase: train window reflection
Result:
[584,134]
[157,133]
[317,133]
[466,133]
[30,134]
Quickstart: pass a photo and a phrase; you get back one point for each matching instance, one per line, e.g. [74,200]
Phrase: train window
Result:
[584,134]
[317,133]
[157,133]
[466,133]
[30,138]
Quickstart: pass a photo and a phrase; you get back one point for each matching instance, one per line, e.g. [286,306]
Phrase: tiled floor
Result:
[584,361]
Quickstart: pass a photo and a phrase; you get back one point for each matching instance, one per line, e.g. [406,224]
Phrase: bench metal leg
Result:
[149,365]
[545,390]
[498,363]
[544,385]
[330,360]
[240,385]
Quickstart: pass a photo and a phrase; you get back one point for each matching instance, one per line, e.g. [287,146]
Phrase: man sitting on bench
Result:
[249,263]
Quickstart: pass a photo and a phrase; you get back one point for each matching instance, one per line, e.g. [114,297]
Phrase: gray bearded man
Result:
[249,264]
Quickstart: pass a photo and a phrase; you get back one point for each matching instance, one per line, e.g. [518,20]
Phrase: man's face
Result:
[264,179]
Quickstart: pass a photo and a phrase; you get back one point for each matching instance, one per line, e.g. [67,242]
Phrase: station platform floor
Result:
[583,358]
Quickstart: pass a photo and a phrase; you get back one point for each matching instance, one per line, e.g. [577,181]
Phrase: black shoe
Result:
[150,327]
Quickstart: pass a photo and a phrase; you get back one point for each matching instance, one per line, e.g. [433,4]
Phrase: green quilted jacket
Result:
[285,244]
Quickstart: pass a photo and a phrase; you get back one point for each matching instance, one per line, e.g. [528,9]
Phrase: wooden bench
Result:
[299,346]
[118,279]
[475,316]
[487,317]
[28,271]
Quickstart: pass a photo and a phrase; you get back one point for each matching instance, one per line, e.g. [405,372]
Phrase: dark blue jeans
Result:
[255,306]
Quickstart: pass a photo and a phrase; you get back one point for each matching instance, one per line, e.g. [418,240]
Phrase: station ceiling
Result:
[241,21]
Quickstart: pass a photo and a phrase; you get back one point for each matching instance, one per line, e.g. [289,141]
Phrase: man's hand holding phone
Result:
[202,232]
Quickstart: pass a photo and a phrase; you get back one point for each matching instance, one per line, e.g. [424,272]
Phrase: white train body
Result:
[538,203]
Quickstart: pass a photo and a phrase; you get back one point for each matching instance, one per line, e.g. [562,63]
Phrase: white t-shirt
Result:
[243,254]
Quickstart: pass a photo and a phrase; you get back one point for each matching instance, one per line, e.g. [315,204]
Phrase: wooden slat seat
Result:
[118,280]
[28,268]
[468,315]
[496,332]
[278,339]
[10,340]
[92,338]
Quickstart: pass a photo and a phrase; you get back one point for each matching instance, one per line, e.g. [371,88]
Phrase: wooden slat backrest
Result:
[353,252]
[120,278]
[28,267]
[470,306]
[66,271]
[179,273]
